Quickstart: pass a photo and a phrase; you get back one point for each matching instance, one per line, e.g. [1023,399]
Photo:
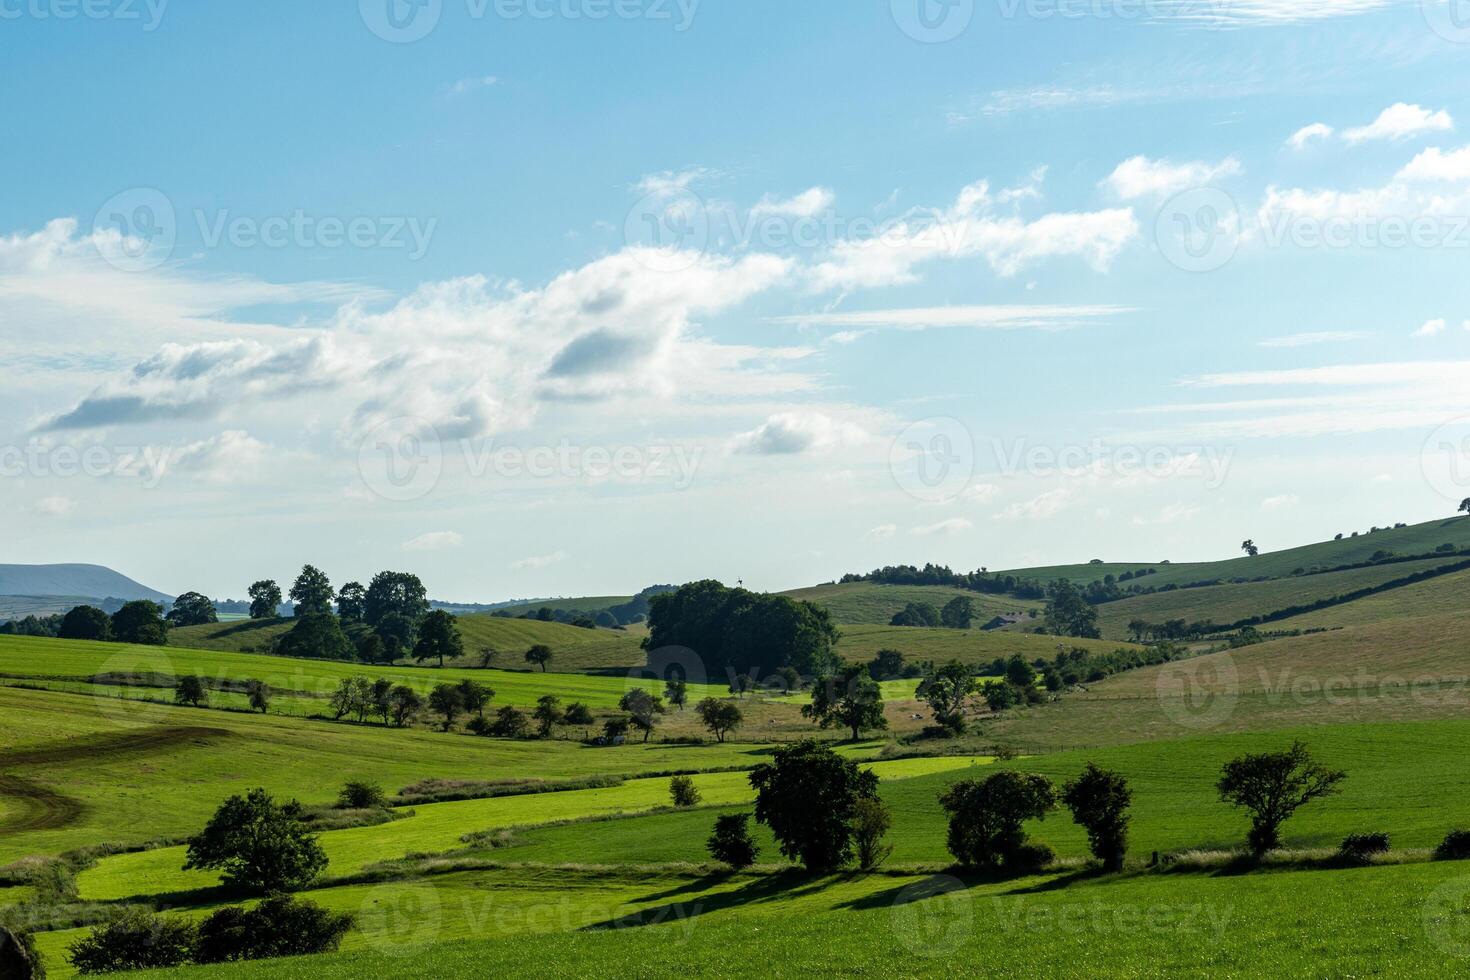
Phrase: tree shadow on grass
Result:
[780,886]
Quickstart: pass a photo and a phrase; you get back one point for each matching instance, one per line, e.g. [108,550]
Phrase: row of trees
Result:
[957,614]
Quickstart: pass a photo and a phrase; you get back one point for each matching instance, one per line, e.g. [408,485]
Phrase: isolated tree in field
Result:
[398,596]
[316,638]
[870,823]
[947,691]
[1464,506]
[446,700]
[1249,547]
[615,728]
[958,613]
[851,700]
[260,696]
[511,722]
[361,795]
[140,622]
[1099,802]
[540,655]
[721,717]
[407,704]
[580,715]
[676,692]
[265,599]
[193,609]
[643,710]
[886,665]
[548,714]
[382,698]
[1068,613]
[438,638]
[683,792]
[731,842]
[85,623]
[475,697]
[808,797]
[258,844]
[352,602]
[1273,786]
[191,690]
[312,592]
[986,818]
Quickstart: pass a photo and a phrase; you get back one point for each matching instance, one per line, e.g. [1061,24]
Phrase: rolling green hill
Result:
[859,644]
[1436,597]
[868,602]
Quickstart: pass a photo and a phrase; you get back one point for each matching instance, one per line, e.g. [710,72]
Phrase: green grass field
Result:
[865,602]
[860,643]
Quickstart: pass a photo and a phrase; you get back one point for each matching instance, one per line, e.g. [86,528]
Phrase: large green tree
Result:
[258,844]
[851,700]
[1068,613]
[808,796]
[395,594]
[85,623]
[438,638]
[316,638]
[986,817]
[265,599]
[1273,786]
[142,622]
[312,592]
[737,631]
[352,602]
[193,609]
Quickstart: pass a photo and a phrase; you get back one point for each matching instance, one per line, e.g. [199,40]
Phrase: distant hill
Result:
[73,581]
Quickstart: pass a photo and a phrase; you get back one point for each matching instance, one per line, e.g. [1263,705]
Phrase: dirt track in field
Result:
[43,808]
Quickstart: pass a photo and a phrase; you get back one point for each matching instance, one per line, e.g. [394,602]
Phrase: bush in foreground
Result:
[1360,847]
[134,940]
[280,926]
[808,797]
[986,818]
[1273,786]
[1454,847]
[731,842]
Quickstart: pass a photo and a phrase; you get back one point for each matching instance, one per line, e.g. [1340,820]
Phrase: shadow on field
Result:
[770,888]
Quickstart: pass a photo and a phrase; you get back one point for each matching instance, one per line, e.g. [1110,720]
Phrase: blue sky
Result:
[573,296]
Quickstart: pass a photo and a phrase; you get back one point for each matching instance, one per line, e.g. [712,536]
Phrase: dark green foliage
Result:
[265,599]
[1273,786]
[405,704]
[643,710]
[731,842]
[683,792]
[947,691]
[438,638]
[475,696]
[511,722]
[312,592]
[851,700]
[1068,613]
[615,728]
[258,844]
[134,940]
[917,614]
[352,603]
[19,958]
[808,797]
[190,690]
[447,701]
[1454,847]
[1099,802]
[676,691]
[986,818]
[870,823]
[578,713]
[548,714]
[358,795]
[395,603]
[140,622]
[886,665]
[720,716]
[958,613]
[259,693]
[192,609]
[85,623]
[280,926]
[740,631]
[316,637]
[1361,847]
[540,655]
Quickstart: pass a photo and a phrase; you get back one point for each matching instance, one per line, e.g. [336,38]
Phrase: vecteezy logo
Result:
[401,459]
[934,917]
[933,21]
[400,918]
[1445,460]
[1447,917]
[933,459]
[1450,19]
[401,21]
[1200,693]
[136,230]
[1198,230]
[673,228]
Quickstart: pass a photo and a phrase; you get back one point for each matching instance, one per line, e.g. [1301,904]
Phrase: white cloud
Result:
[1311,339]
[1038,508]
[1170,514]
[1305,135]
[807,204]
[1435,164]
[1431,328]
[1247,13]
[793,433]
[229,458]
[538,562]
[1284,501]
[883,532]
[977,317]
[955,525]
[1139,177]
[435,541]
[972,227]
[980,493]
[466,85]
[1401,121]
[669,183]
[54,506]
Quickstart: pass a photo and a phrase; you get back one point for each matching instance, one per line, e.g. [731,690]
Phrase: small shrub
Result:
[134,940]
[731,842]
[280,926]
[361,796]
[683,791]
[1031,857]
[1454,847]
[482,727]
[870,822]
[1360,847]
